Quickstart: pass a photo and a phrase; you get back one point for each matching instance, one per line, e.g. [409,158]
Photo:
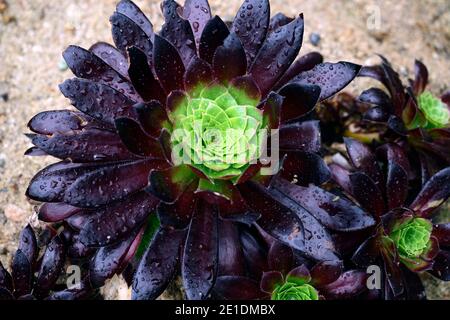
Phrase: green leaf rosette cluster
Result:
[293,290]
[435,111]
[412,238]
[217,130]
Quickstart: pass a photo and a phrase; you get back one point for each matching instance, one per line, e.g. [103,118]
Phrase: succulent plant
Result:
[125,168]
[412,115]
[285,274]
[405,239]
[34,276]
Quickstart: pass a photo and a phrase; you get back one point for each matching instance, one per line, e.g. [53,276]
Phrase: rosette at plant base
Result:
[123,172]
[277,272]
[405,240]
[411,114]
[35,277]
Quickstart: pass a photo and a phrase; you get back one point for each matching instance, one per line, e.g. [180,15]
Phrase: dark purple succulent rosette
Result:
[405,240]
[34,276]
[283,274]
[116,173]
[410,113]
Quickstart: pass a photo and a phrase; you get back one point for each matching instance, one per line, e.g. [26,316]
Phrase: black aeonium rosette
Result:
[409,115]
[37,268]
[405,241]
[123,160]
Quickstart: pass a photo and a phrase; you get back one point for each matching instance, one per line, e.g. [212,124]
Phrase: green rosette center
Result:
[217,130]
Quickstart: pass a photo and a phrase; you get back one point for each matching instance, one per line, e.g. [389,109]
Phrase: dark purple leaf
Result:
[272,111]
[377,97]
[435,192]
[135,139]
[304,168]
[132,11]
[396,186]
[302,64]
[110,184]
[28,244]
[112,223]
[35,152]
[367,254]
[278,20]
[270,280]
[229,60]
[50,122]
[127,33]
[169,184]
[333,211]
[442,233]
[288,222]
[5,278]
[441,265]
[108,260]
[21,274]
[84,64]
[151,116]
[255,253]
[396,124]
[198,13]
[299,100]
[199,267]
[367,193]
[299,273]
[170,74]
[280,258]
[50,183]
[341,176]
[179,213]
[330,77]
[178,31]
[300,136]
[97,100]
[213,36]
[111,56]
[231,259]
[51,267]
[326,272]
[237,288]
[277,53]
[248,85]
[87,145]
[198,72]
[158,265]
[349,285]
[142,77]
[251,25]
[364,160]
[376,114]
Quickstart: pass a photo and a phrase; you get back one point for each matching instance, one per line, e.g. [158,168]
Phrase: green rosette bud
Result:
[435,111]
[412,237]
[217,130]
[294,291]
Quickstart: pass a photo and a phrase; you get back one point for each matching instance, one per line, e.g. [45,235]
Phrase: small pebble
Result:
[4,95]
[314,38]
[15,213]
[62,65]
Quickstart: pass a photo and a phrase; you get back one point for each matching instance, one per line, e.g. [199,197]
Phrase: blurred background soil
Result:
[33,33]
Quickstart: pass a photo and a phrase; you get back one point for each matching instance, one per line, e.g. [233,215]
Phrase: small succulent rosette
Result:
[410,112]
[324,280]
[37,269]
[405,233]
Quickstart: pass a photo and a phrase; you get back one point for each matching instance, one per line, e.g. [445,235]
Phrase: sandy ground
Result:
[33,33]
